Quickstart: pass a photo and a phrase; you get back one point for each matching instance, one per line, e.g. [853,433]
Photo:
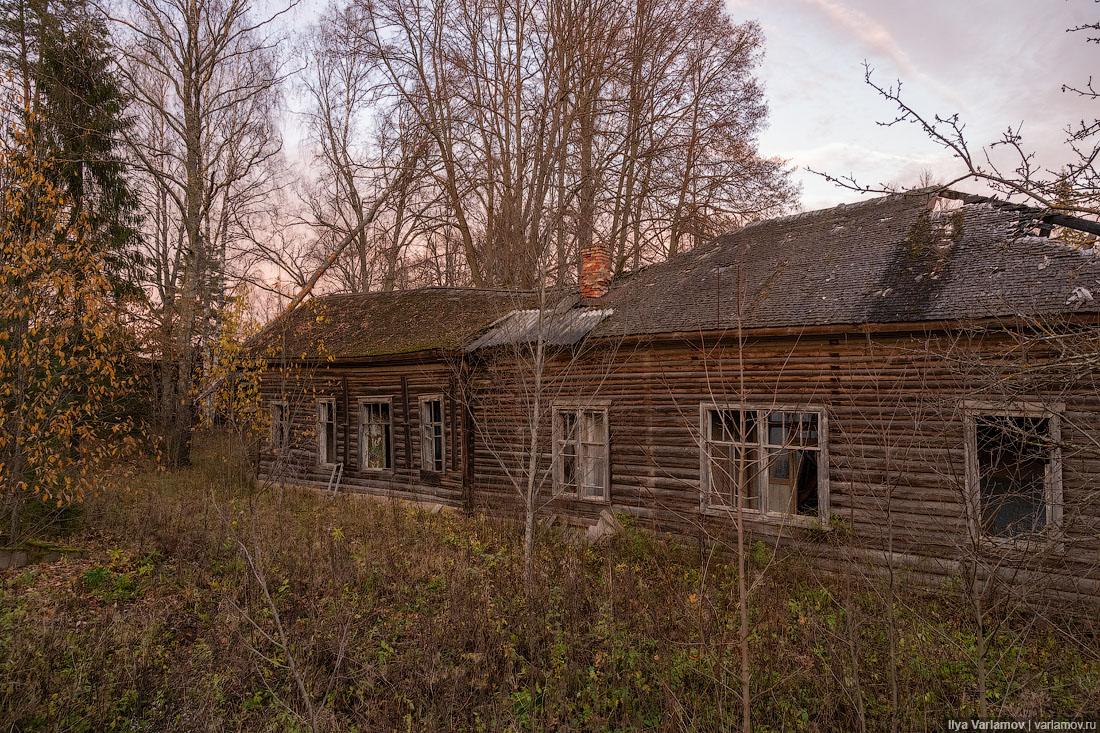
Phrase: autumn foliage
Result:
[62,367]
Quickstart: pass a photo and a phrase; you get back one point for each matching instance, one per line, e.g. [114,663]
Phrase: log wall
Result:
[895,441]
[402,382]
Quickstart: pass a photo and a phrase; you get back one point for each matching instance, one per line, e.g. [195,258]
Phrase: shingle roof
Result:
[893,259]
[399,322]
[886,260]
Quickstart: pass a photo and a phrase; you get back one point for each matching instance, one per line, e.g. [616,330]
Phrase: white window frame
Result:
[442,457]
[322,438]
[278,427]
[1052,479]
[761,444]
[575,490]
[362,443]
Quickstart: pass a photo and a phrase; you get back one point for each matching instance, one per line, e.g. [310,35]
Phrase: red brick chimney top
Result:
[595,271]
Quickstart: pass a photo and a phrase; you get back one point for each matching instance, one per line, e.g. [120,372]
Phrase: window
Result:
[793,454]
[280,424]
[375,449]
[764,460]
[431,434]
[1014,473]
[326,431]
[581,452]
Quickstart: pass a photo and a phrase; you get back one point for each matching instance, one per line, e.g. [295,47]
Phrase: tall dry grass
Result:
[206,603]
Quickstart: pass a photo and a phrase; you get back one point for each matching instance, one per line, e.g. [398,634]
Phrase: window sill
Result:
[570,496]
[801,521]
[1021,546]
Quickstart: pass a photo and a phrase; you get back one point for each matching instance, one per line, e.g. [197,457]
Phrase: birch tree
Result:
[205,77]
[630,125]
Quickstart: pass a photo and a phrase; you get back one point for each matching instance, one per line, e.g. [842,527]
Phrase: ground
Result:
[204,601]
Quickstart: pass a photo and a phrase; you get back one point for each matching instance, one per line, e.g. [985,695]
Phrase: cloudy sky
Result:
[994,62]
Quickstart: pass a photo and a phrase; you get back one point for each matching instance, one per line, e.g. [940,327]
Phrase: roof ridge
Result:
[720,240]
[440,288]
[847,206]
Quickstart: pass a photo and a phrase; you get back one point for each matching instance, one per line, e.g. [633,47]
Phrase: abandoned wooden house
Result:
[910,381]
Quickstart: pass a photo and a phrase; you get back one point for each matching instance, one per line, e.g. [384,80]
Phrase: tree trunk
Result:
[979,640]
[16,503]
[183,406]
[15,475]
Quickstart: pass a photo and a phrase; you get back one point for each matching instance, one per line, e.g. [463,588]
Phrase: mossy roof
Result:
[915,257]
[894,259]
[378,324]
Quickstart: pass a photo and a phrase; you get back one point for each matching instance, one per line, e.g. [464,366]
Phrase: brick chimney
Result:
[595,271]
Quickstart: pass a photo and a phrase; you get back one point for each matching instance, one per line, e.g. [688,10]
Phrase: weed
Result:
[404,620]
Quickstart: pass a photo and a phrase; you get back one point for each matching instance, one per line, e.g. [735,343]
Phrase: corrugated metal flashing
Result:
[558,328]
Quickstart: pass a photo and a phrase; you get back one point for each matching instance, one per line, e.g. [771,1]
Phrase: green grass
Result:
[404,620]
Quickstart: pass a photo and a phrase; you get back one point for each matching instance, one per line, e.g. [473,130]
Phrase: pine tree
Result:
[75,104]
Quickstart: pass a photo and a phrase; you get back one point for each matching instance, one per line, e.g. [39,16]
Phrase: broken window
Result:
[280,425]
[374,435]
[1014,460]
[733,459]
[431,434]
[326,431]
[763,460]
[581,452]
[793,453]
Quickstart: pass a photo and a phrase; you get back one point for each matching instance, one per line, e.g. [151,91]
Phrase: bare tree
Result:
[204,77]
[1007,164]
[533,364]
[549,122]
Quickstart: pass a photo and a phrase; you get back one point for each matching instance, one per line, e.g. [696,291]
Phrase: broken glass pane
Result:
[1013,456]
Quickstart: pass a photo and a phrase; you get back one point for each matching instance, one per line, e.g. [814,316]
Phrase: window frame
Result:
[442,457]
[360,452]
[1052,478]
[278,446]
[578,409]
[322,440]
[761,444]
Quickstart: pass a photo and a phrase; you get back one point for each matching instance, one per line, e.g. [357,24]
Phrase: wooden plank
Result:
[405,422]
[894,429]
[347,421]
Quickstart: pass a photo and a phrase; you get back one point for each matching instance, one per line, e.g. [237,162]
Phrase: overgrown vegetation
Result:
[401,619]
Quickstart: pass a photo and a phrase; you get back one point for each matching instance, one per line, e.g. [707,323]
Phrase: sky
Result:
[997,63]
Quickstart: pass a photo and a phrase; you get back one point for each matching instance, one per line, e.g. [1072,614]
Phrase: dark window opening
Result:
[765,461]
[733,455]
[581,442]
[1013,460]
[280,428]
[326,431]
[792,443]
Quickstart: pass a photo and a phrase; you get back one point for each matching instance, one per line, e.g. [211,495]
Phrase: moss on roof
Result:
[886,260]
[378,324]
